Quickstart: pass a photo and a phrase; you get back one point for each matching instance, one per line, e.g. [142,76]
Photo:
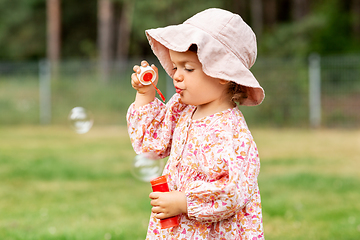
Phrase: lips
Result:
[178,90]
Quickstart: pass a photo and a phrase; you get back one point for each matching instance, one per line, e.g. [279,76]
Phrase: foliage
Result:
[292,39]
[79,29]
[286,93]
[22,29]
[327,29]
[160,13]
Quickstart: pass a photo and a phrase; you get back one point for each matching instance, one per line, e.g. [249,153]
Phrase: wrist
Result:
[143,98]
[182,202]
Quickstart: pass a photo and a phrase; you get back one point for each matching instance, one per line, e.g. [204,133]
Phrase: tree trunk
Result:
[270,13]
[355,7]
[299,9]
[240,7]
[256,8]
[105,37]
[53,33]
[124,30]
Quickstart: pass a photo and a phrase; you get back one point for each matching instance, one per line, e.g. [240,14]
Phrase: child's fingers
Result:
[135,81]
[155,68]
[144,63]
[155,201]
[156,210]
[158,213]
[136,69]
[154,195]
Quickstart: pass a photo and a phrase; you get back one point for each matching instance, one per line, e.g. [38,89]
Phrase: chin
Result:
[186,101]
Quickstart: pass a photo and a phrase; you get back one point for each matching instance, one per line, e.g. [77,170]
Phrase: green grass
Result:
[309,183]
[56,184]
[59,185]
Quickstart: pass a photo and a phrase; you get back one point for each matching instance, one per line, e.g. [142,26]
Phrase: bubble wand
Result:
[147,76]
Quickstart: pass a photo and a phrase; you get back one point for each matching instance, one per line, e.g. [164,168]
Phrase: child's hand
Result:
[145,94]
[136,84]
[168,204]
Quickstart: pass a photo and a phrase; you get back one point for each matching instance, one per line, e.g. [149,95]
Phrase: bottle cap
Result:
[147,75]
[159,180]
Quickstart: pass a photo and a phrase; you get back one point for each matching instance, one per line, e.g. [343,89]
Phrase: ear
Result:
[223,82]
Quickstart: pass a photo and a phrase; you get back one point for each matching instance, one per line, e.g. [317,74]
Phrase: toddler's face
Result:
[193,85]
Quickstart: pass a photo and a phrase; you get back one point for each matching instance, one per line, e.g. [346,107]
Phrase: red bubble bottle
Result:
[147,76]
[160,185]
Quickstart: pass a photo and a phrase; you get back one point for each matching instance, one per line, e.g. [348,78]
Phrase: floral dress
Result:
[214,160]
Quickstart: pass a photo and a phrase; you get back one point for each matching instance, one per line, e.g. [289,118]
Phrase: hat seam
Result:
[216,37]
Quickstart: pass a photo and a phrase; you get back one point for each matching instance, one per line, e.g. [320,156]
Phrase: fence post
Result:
[45,91]
[314,90]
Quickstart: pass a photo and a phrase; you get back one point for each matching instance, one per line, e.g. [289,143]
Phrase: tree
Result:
[53,33]
[87,25]
[299,9]
[256,8]
[355,8]
[270,14]
[124,30]
[105,37]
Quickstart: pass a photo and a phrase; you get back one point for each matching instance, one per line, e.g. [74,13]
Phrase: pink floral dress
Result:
[214,160]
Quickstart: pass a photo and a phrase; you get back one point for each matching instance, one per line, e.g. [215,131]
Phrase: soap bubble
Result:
[80,120]
[146,167]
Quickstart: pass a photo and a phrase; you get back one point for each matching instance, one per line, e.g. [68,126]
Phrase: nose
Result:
[178,77]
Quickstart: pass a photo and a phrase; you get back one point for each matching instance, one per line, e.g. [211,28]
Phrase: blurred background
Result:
[59,54]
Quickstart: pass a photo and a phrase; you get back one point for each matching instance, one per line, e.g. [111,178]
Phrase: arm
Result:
[232,165]
[145,94]
[151,126]
[150,122]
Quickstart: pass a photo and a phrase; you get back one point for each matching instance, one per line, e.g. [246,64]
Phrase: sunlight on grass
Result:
[309,183]
[56,184]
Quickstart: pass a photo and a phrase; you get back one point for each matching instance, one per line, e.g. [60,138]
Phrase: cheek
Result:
[208,88]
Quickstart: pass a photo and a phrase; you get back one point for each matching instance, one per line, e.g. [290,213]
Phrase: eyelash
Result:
[186,69]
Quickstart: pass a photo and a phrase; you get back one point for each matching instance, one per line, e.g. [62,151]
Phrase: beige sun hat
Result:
[226,48]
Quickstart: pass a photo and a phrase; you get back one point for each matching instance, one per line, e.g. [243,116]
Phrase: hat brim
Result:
[216,59]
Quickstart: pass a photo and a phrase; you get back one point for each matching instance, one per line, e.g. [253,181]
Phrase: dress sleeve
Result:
[151,126]
[231,162]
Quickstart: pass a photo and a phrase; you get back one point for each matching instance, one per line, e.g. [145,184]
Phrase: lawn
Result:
[56,184]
